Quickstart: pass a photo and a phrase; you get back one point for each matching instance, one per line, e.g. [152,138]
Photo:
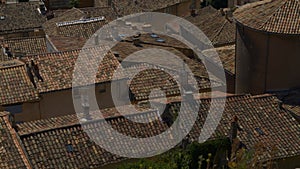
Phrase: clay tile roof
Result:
[219,30]
[279,128]
[227,57]
[12,155]
[25,46]
[57,68]
[69,15]
[15,84]
[290,100]
[107,12]
[152,77]
[72,28]
[47,148]
[276,16]
[85,30]
[127,7]
[260,117]
[20,16]
[127,48]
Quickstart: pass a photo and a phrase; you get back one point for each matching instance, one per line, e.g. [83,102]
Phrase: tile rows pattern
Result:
[84,30]
[126,7]
[57,68]
[27,128]
[15,84]
[72,37]
[26,46]
[125,49]
[11,154]
[47,148]
[279,128]
[152,77]
[20,16]
[277,16]
[226,55]
[219,30]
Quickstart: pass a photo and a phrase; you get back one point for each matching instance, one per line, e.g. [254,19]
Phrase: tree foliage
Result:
[215,3]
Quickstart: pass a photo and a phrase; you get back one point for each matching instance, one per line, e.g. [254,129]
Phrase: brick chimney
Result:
[234,128]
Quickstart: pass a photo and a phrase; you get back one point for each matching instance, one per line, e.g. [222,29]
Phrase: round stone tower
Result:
[268,46]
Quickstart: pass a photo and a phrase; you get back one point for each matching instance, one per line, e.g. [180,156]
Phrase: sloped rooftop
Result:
[15,84]
[24,46]
[12,155]
[20,16]
[219,29]
[57,68]
[276,16]
[260,117]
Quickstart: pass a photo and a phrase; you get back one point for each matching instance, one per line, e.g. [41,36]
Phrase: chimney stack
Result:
[193,13]
[136,40]
[234,128]
[86,106]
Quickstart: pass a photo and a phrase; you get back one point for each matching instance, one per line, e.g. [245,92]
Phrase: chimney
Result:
[184,78]
[234,128]
[86,107]
[36,71]
[193,13]
[96,38]
[147,28]
[136,40]
[30,75]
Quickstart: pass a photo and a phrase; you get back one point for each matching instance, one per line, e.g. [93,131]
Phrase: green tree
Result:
[74,3]
[215,3]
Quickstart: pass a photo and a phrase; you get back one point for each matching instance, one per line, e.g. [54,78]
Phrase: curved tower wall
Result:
[266,61]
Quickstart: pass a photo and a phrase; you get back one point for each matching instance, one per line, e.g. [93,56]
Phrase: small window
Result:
[15,109]
[259,131]
[69,148]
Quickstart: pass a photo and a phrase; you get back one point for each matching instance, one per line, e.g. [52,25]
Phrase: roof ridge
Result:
[274,13]
[219,32]
[23,38]
[17,142]
[78,123]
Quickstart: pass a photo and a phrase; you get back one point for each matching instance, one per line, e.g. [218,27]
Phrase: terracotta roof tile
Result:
[227,57]
[279,127]
[127,48]
[67,33]
[219,30]
[15,84]
[85,30]
[127,7]
[25,46]
[12,155]
[20,16]
[277,16]
[47,146]
[152,77]
[57,68]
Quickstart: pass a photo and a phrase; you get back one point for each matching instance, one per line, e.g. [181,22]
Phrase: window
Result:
[15,109]
[69,148]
